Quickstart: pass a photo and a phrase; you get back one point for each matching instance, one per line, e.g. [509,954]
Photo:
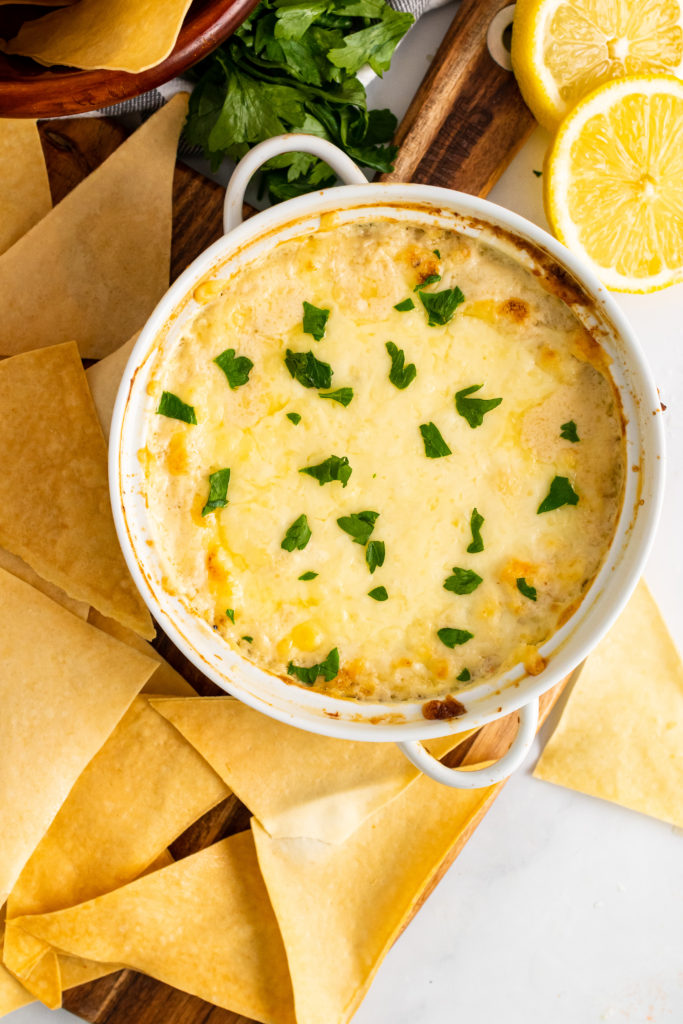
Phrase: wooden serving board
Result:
[465,124]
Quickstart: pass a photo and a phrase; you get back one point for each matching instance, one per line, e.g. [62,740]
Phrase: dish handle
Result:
[477,778]
[334,157]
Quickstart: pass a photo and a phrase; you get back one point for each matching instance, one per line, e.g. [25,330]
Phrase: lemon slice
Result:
[614,182]
[563,49]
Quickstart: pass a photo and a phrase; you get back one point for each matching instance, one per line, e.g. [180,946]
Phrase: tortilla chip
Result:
[18,567]
[54,492]
[24,187]
[296,783]
[95,267]
[13,995]
[121,35]
[63,688]
[341,907]
[203,925]
[620,736]
[165,681]
[104,379]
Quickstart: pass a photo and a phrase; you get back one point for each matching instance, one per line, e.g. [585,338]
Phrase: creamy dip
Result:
[471,527]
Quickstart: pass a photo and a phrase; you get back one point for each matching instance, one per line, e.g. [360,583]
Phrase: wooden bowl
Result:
[27,89]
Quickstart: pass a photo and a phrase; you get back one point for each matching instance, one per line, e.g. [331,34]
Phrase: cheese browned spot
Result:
[511,336]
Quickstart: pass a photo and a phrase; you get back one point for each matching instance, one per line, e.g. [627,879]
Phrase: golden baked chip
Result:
[104,379]
[620,736]
[294,782]
[24,187]
[63,688]
[204,925]
[165,681]
[123,35]
[54,492]
[94,268]
[18,567]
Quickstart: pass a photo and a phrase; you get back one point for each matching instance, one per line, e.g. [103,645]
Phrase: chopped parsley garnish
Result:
[568,432]
[524,588]
[336,467]
[170,405]
[435,446]
[430,279]
[441,306]
[295,417]
[474,409]
[400,375]
[235,368]
[437,253]
[405,306]
[561,493]
[538,174]
[315,320]
[374,554]
[328,669]
[463,581]
[464,676]
[308,370]
[218,491]
[476,523]
[230,612]
[378,594]
[359,525]
[342,395]
[298,535]
[454,637]
[306,576]
[249,639]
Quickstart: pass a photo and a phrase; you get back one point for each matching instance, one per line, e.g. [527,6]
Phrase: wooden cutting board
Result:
[462,129]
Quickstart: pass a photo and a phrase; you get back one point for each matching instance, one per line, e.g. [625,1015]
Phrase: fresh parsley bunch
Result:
[291,66]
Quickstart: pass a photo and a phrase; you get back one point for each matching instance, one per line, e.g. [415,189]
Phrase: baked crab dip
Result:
[384,460]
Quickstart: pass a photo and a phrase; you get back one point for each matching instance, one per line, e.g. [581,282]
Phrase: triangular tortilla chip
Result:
[24,188]
[122,35]
[165,681]
[341,907]
[294,782]
[63,687]
[18,567]
[54,492]
[104,379]
[203,925]
[620,736]
[95,267]
[12,994]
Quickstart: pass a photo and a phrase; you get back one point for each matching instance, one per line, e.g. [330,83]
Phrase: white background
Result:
[562,909]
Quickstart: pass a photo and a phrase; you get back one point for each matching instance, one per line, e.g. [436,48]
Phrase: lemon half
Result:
[563,49]
[614,182]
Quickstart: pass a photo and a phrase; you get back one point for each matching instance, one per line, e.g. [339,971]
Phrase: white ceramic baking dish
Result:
[403,723]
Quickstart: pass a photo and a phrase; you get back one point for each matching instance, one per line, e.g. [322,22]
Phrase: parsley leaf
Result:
[476,523]
[342,395]
[308,370]
[464,676]
[400,375]
[170,405]
[249,639]
[537,173]
[453,637]
[295,417]
[430,279]
[315,321]
[236,369]
[298,535]
[437,253]
[474,409]
[359,525]
[328,669]
[524,588]
[568,432]
[378,594]
[230,612]
[374,554]
[336,467]
[218,491]
[405,306]
[561,493]
[373,45]
[441,306]
[463,581]
[435,446]
[306,576]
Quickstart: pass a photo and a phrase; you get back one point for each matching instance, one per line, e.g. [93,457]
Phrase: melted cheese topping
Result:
[521,343]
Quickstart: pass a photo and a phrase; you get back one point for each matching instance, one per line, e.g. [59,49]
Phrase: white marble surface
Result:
[561,909]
